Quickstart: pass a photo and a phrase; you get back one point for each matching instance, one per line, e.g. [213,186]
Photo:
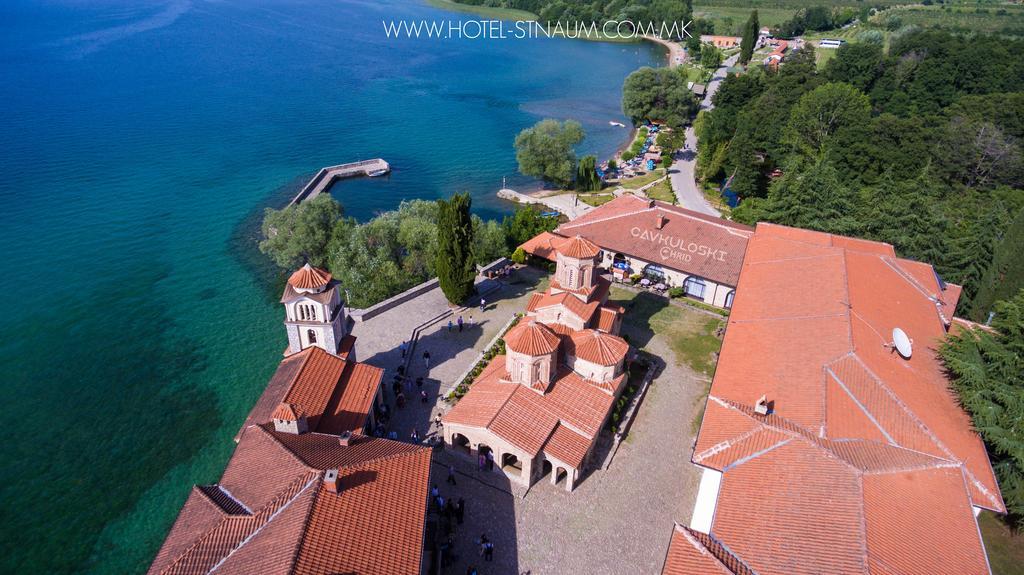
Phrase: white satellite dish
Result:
[902,343]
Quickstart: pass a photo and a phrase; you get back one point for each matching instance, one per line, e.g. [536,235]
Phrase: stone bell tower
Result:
[576,272]
[314,314]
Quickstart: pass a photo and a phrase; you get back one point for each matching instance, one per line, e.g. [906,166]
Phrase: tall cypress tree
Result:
[750,33]
[455,265]
[1005,276]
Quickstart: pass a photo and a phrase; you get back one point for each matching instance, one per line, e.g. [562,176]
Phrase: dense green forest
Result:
[919,146]
[388,254]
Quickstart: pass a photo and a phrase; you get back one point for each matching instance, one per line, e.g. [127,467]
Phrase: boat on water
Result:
[619,124]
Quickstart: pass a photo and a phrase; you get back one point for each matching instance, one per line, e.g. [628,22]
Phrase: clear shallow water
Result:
[139,142]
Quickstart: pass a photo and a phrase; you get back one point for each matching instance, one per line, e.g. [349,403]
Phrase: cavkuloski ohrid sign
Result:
[677,249]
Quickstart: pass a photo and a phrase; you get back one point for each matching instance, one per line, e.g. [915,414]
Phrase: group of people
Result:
[459,323]
[452,513]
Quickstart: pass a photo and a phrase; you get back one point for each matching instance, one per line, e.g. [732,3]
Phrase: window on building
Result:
[654,272]
[694,287]
[312,336]
[571,277]
[728,299]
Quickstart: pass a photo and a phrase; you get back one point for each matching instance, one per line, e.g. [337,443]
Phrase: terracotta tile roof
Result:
[802,488]
[578,247]
[324,297]
[598,347]
[607,317]
[543,245]
[309,277]
[532,338]
[374,524]
[571,303]
[568,446]
[285,411]
[692,552]
[524,421]
[486,397]
[352,400]
[689,241]
[335,395]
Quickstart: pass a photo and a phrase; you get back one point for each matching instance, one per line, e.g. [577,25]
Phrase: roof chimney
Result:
[345,438]
[331,480]
[761,408]
[660,223]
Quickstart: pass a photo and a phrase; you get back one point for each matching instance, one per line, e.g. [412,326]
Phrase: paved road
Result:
[684,181]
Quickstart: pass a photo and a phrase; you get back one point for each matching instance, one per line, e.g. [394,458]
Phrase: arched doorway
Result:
[654,272]
[694,287]
[728,299]
[560,476]
[488,455]
[510,464]
[545,468]
[460,443]
[619,262]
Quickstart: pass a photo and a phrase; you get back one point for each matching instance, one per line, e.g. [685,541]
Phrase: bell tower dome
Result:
[576,259]
[531,355]
[314,313]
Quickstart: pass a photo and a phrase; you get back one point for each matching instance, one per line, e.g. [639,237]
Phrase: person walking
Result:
[437,420]
[481,460]
[460,510]
[483,305]
[460,324]
[415,435]
[426,359]
[488,551]
[471,320]
[451,475]
[423,396]
[449,325]
[490,461]
[434,491]
[404,347]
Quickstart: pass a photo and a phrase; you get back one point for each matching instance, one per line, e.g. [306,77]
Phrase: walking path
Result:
[565,203]
[683,173]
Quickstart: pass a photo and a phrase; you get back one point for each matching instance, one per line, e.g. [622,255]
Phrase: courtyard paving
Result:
[618,520]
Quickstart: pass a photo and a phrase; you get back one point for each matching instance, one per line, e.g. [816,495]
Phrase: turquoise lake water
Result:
[139,142]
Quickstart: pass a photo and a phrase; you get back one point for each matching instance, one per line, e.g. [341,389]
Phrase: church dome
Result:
[578,247]
[598,347]
[531,338]
[309,278]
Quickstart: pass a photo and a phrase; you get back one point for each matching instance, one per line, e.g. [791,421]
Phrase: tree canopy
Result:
[658,94]
[751,31]
[298,234]
[987,370]
[547,150]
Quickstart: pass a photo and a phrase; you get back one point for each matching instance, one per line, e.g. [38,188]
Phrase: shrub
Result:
[635,278]
[628,155]
[676,292]
[519,256]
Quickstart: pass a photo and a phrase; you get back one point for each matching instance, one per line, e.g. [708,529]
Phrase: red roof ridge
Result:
[728,225]
[265,515]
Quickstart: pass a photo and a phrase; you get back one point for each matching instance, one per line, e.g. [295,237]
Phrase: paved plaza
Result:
[618,520]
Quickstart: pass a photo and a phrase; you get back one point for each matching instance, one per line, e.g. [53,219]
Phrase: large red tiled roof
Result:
[291,523]
[335,395]
[309,277]
[531,338]
[598,347]
[694,553]
[802,488]
[688,241]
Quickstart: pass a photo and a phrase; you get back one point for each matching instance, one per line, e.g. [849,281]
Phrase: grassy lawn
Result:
[640,181]
[596,199]
[1005,549]
[662,191]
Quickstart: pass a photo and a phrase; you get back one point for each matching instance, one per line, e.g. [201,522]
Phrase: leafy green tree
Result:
[988,375]
[526,223]
[857,64]
[1005,275]
[822,112]
[710,56]
[658,94]
[489,241]
[587,179]
[751,31]
[546,150]
[298,234]
[519,256]
[810,195]
[455,264]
